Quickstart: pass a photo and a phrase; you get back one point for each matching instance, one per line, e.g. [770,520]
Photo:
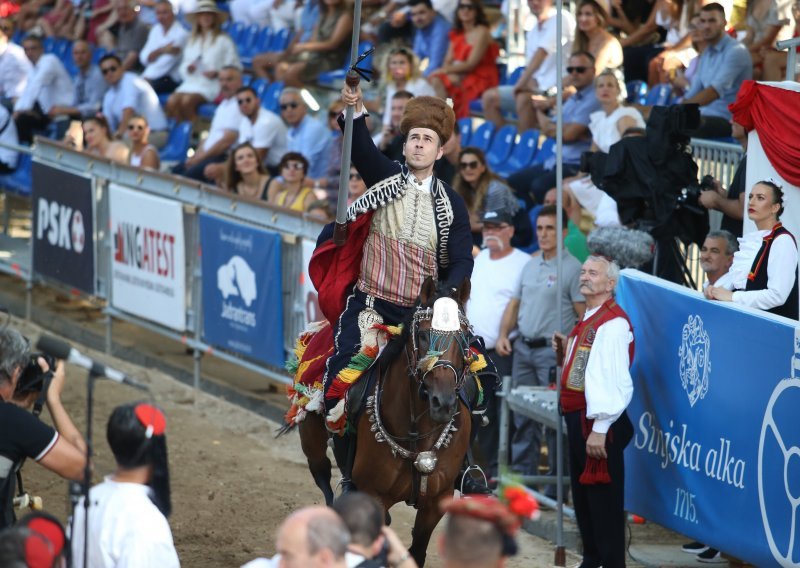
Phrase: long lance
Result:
[351,80]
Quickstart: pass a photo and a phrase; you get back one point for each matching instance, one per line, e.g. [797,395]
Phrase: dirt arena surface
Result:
[232,481]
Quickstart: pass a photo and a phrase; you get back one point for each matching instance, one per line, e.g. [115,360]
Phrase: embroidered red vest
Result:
[580,341]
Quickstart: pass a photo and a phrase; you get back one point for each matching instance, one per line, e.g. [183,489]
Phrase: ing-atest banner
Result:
[716,450]
[242,289]
[63,227]
[148,264]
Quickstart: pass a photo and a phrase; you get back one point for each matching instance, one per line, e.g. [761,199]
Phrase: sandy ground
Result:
[232,481]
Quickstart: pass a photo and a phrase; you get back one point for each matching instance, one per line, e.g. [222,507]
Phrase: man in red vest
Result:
[596,387]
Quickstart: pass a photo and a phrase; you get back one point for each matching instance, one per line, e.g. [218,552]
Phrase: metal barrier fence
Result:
[717,159]
[192,200]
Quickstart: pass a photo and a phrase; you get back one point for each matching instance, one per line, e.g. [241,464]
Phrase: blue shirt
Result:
[576,111]
[308,19]
[310,138]
[89,90]
[723,67]
[432,43]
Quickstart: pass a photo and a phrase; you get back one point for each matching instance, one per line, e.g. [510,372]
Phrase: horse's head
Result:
[440,334]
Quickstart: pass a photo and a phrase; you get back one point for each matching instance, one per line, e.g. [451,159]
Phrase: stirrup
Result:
[472,480]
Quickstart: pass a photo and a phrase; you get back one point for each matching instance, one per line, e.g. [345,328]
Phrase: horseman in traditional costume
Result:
[406,227]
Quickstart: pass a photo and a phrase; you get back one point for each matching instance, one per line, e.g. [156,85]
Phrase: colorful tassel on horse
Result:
[477,361]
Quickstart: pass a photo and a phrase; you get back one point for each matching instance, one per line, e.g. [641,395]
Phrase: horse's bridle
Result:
[439,343]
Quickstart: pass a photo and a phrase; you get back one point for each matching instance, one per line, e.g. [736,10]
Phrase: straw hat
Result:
[204,7]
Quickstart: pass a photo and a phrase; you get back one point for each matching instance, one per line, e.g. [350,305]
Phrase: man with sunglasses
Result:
[22,435]
[127,95]
[531,184]
[406,227]
[304,133]
[223,132]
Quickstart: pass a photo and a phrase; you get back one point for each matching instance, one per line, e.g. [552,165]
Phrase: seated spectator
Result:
[223,132]
[128,517]
[372,543]
[608,124]
[575,241]
[483,191]
[207,52]
[8,135]
[446,167]
[305,134]
[124,34]
[89,86]
[532,183]
[775,61]
[356,187]
[161,54]
[591,36]
[245,174]
[48,85]
[676,55]
[321,210]
[539,75]
[401,73]
[127,95]
[288,190]
[261,127]
[721,69]
[264,63]
[326,50]
[142,154]
[88,26]
[431,35]
[470,66]
[390,141]
[97,140]
[60,21]
[766,25]
[14,70]
[668,17]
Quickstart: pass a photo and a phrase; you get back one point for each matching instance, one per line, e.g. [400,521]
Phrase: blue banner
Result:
[242,292]
[716,450]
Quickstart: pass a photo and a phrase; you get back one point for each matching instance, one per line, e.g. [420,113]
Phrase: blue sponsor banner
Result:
[716,450]
[242,292]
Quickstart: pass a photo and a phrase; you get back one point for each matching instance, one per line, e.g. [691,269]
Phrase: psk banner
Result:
[63,227]
[148,263]
[716,449]
[310,299]
[242,291]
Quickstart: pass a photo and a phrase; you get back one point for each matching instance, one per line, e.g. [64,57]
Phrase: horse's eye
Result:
[423,339]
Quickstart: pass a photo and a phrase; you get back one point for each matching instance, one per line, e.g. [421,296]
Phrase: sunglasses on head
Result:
[293,165]
[578,69]
[246,100]
[469,165]
[107,70]
[284,106]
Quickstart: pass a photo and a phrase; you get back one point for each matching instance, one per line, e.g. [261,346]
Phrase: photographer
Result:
[24,384]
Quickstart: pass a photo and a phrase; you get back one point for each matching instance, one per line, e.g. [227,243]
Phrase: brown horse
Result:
[412,439]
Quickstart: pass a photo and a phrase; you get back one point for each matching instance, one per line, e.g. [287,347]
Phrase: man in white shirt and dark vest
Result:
[596,388]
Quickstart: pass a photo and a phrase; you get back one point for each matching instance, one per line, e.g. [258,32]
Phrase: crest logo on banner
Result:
[779,488]
[695,361]
[236,278]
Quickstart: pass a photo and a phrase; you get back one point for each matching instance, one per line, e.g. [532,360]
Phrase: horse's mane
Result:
[396,344]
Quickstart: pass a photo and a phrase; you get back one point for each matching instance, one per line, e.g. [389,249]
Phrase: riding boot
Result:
[344,452]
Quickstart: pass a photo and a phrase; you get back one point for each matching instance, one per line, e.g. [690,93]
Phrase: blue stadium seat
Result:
[637,92]
[98,54]
[334,79]
[19,181]
[260,86]
[465,128]
[180,136]
[236,30]
[502,145]
[659,95]
[514,76]
[247,39]
[259,45]
[522,155]
[280,40]
[206,110]
[49,44]
[548,150]
[271,97]
[483,135]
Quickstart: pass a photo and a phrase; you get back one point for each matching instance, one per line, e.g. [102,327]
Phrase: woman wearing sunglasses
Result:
[470,66]
[484,191]
[289,189]
[143,154]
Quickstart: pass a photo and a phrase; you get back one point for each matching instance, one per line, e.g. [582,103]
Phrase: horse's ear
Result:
[464,290]
[428,291]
